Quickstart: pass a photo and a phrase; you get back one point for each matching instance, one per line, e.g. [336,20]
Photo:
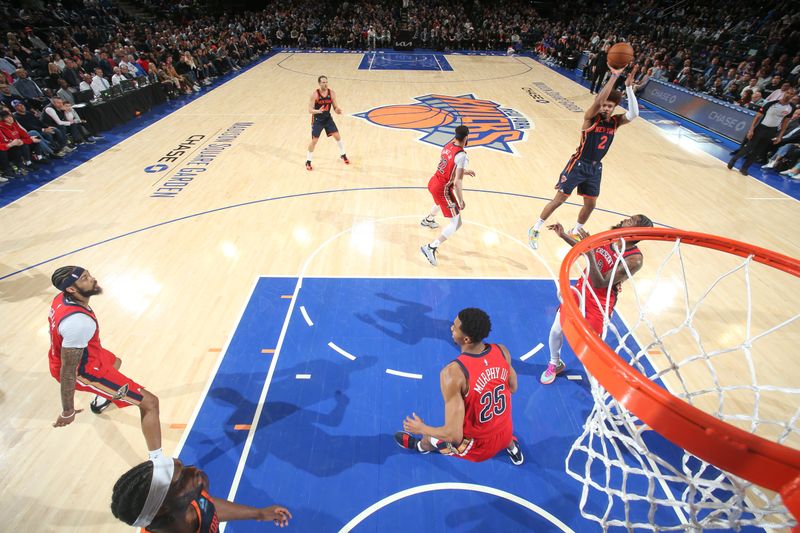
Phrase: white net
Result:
[712,329]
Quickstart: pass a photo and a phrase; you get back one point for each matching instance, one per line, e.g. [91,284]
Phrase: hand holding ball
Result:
[620,55]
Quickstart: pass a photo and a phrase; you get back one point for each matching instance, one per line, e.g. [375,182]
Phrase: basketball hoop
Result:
[723,468]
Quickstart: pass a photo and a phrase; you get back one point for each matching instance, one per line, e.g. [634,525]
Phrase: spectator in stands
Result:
[773,85]
[52,137]
[18,141]
[63,92]
[8,94]
[99,83]
[788,151]
[27,88]
[55,115]
[118,77]
[757,101]
[777,94]
[70,73]
[86,84]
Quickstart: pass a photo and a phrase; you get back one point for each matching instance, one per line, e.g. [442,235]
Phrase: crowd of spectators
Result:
[742,52]
[53,54]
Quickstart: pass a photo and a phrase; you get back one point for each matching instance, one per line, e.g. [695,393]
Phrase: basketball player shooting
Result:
[477,388]
[319,106]
[597,294]
[584,169]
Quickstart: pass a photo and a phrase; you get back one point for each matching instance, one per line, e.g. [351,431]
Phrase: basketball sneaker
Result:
[308,166]
[344,158]
[428,222]
[516,457]
[99,405]
[409,442]
[549,375]
[574,234]
[533,238]
[429,253]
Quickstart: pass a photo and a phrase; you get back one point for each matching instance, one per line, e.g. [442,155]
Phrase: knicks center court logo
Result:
[437,116]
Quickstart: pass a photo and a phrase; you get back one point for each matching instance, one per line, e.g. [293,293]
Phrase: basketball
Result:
[410,116]
[620,55]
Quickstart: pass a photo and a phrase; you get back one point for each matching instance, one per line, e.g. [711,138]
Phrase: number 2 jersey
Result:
[597,139]
[487,404]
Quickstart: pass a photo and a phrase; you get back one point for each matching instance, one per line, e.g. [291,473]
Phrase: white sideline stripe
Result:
[213,373]
[336,348]
[769,198]
[302,376]
[437,63]
[257,416]
[305,315]
[530,354]
[574,377]
[453,486]
[403,374]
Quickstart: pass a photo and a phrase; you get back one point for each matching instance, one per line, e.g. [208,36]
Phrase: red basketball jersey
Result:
[487,404]
[447,163]
[606,257]
[94,355]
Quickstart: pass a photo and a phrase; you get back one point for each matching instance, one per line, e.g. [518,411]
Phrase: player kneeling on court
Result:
[601,293]
[79,362]
[477,388]
[162,495]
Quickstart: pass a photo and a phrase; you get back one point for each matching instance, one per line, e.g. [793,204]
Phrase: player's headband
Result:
[163,468]
[69,280]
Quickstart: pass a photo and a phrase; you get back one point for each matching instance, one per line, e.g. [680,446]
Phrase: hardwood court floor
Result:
[177,270]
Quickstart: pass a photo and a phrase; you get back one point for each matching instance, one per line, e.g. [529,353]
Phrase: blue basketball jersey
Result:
[596,139]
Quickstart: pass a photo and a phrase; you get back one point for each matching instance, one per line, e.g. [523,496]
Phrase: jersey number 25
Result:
[493,402]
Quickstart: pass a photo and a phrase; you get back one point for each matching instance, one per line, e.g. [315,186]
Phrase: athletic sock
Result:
[308,156]
[341,147]
[435,244]
[578,226]
[155,454]
[538,225]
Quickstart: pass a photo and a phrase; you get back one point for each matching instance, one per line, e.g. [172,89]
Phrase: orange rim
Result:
[765,463]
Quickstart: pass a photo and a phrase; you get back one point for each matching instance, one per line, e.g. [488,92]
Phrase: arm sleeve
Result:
[461,160]
[633,105]
[76,330]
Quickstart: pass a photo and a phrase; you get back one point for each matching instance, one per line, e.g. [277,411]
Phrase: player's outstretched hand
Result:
[631,75]
[66,420]
[469,173]
[615,71]
[413,424]
[338,110]
[558,228]
[278,514]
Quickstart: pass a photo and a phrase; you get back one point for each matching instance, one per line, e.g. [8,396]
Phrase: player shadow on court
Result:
[412,318]
[296,418]
[25,286]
